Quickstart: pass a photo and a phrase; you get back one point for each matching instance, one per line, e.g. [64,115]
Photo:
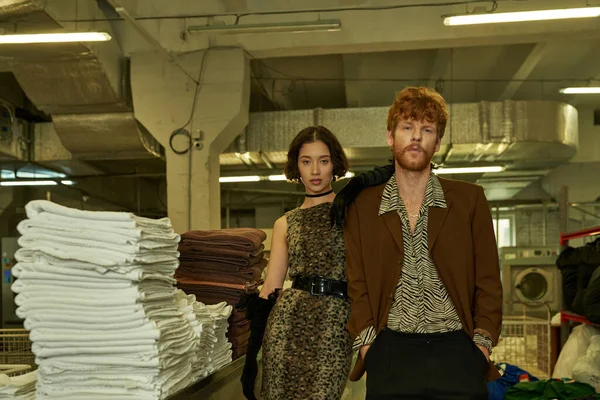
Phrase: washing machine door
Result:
[532,285]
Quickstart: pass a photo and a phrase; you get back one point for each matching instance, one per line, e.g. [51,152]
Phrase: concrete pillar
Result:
[163,99]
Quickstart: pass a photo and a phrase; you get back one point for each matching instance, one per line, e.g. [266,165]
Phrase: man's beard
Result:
[408,162]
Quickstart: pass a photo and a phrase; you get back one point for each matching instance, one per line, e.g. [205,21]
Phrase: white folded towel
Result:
[94,393]
[138,350]
[51,273]
[44,284]
[86,380]
[100,232]
[20,385]
[103,258]
[94,288]
[60,335]
[117,310]
[133,377]
[37,207]
[97,361]
[25,255]
[91,317]
[99,343]
[43,239]
[31,324]
[32,301]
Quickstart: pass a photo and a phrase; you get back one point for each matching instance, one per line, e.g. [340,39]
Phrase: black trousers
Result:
[444,366]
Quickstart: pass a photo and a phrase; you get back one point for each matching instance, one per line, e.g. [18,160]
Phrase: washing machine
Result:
[530,277]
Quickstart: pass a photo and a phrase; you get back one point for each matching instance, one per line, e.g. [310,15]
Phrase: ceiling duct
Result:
[85,88]
[517,134]
[108,136]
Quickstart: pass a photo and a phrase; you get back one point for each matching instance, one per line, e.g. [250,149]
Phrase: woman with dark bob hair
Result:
[307,350]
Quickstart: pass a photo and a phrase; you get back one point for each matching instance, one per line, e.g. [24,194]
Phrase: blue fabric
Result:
[497,389]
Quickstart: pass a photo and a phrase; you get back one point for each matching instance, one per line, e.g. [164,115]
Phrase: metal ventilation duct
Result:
[108,136]
[518,134]
[85,88]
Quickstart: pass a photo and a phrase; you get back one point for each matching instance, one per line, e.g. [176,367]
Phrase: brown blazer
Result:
[463,247]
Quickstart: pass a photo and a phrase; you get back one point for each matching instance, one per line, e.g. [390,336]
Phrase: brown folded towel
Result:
[239,352]
[236,330]
[197,272]
[220,259]
[210,294]
[219,285]
[238,316]
[212,266]
[197,250]
[235,238]
[240,340]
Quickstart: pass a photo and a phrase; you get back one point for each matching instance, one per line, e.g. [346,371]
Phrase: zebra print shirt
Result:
[421,302]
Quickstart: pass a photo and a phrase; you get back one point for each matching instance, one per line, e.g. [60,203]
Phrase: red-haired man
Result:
[422,268]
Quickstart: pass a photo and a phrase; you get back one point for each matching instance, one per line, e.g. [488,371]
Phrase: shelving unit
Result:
[565,237]
[567,316]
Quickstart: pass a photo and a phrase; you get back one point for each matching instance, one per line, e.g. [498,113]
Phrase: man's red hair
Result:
[418,104]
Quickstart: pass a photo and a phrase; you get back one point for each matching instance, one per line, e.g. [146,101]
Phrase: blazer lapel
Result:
[392,220]
[437,215]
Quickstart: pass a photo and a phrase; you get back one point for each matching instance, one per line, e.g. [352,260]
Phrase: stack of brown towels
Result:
[216,266]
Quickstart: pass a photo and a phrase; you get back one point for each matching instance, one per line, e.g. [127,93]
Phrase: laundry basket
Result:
[15,352]
[525,341]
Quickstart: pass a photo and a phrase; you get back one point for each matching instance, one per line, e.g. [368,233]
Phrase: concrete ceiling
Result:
[383,46]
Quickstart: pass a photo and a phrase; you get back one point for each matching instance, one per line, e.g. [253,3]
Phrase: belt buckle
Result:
[323,285]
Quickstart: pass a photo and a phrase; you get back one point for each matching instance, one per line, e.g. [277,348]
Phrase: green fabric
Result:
[548,390]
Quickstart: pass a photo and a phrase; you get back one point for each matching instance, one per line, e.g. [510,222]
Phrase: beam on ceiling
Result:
[362,31]
[441,66]
[535,56]
[589,69]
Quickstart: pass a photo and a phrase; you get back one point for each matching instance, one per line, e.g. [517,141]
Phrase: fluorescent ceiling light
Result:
[329,25]
[521,16]
[55,37]
[233,179]
[581,90]
[467,170]
[8,174]
[276,178]
[34,183]
[255,178]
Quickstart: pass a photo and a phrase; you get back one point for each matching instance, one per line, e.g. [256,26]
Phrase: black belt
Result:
[319,286]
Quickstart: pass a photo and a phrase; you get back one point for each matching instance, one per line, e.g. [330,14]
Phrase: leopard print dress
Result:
[307,350]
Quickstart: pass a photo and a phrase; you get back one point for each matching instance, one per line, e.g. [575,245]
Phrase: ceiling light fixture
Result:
[235,179]
[328,25]
[34,183]
[468,170]
[581,90]
[256,178]
[521,16]
[276,178]
[64,37]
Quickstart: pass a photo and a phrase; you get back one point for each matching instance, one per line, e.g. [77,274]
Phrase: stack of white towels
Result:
[97,293]
[209,322]
[20,387]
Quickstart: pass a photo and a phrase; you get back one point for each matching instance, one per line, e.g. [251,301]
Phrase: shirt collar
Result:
[390,199]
